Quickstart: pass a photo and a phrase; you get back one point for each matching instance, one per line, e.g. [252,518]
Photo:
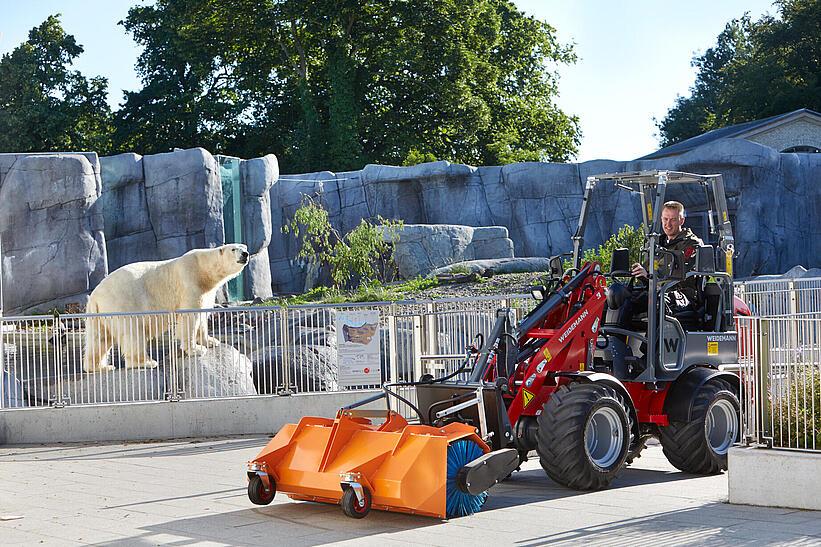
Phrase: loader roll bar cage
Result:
[652,189]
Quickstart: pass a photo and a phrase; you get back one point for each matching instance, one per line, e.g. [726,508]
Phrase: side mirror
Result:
[537,292]
[620,262]
[705,259]
[556,267]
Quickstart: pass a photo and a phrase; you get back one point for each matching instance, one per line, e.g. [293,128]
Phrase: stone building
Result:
[797,131]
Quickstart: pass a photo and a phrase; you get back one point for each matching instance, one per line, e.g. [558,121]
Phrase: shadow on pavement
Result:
[304,523]
[138,449]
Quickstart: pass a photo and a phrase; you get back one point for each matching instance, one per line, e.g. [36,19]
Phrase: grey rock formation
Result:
[257,176]
[771,197]
[497,266]
[184,197]
[114,386]
[221,372]
[308,363]
[421,248]
[129,234]
[52,232]
[309,368]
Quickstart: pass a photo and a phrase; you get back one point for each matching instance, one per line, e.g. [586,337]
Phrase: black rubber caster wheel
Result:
[352,507]
[257,493]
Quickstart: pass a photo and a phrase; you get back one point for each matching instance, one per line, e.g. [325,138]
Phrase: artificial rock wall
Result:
[774,199]
[67,219]
[51,230]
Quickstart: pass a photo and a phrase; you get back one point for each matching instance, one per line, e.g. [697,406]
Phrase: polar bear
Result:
[187,282]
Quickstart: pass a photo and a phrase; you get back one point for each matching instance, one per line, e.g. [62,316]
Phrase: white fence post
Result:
[286,365]
[393,357]
[765,434]
[416,338]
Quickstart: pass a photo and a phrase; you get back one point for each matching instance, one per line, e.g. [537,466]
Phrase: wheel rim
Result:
[721,426]
[604,437]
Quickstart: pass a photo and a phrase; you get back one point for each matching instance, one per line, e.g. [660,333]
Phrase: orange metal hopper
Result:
[396,466]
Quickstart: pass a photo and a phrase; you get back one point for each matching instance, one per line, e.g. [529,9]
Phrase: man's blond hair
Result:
[677,205]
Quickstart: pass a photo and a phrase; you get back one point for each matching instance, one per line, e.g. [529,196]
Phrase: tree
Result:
[628,237]
[756,69]
[337,84]
[45,106]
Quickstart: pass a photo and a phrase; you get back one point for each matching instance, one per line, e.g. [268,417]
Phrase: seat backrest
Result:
[712,306]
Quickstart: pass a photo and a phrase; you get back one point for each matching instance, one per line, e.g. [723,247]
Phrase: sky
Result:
[634,56]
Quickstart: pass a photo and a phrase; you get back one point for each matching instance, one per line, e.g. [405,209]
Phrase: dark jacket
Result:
[685,239]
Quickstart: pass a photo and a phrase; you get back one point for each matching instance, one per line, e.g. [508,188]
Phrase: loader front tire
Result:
[257,493]
[583,436]
[700,446]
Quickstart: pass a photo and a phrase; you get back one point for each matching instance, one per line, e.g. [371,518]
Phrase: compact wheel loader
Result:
[581,380]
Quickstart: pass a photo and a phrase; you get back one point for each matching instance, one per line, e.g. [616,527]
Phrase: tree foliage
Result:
[362,255]
[756,69]
[45,106]
[337,84]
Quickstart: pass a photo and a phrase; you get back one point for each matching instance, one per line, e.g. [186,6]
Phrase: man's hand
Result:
[638,270]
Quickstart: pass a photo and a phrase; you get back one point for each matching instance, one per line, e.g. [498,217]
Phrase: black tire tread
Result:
[684,443]
[349,500]
[560,436]
[256,491]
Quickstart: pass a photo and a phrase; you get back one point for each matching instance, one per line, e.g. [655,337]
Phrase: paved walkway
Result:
[184,492]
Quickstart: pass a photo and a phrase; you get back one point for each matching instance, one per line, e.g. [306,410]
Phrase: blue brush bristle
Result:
[458,503]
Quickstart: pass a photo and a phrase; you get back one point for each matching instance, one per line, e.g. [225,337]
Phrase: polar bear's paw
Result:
[147,363]
[211,342]
[194,350]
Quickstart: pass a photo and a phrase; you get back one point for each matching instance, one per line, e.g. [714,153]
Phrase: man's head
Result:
[672,218]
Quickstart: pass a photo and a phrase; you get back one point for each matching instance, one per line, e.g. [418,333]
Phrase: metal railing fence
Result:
[780,371]
[779,297]
[87,359]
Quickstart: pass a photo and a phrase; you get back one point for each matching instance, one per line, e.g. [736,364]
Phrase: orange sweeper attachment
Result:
[393,466]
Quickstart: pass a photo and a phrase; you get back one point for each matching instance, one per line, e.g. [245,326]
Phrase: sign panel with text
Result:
[358,355]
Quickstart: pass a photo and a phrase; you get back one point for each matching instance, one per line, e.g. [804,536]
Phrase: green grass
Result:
[366,292]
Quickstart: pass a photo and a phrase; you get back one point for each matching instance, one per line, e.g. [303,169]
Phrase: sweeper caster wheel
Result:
[257,493]
[352,507]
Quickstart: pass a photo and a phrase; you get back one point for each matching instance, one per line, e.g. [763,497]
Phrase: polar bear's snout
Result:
[243,257]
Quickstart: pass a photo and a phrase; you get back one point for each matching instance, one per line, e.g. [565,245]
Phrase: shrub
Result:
[362,255]
[797,411]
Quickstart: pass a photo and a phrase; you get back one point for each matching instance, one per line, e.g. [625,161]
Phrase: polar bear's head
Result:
[218,265]
[233,258]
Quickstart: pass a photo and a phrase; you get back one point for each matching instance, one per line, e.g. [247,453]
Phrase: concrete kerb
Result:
[169,420]
[775,478]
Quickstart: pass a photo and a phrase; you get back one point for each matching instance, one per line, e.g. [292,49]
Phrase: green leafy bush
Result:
[362,255]
[797,412]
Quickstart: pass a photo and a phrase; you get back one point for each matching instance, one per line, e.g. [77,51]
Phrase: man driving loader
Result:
[676,238]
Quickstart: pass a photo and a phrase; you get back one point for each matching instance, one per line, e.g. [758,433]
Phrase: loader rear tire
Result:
[257,493]
[583,436]
[700,446]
